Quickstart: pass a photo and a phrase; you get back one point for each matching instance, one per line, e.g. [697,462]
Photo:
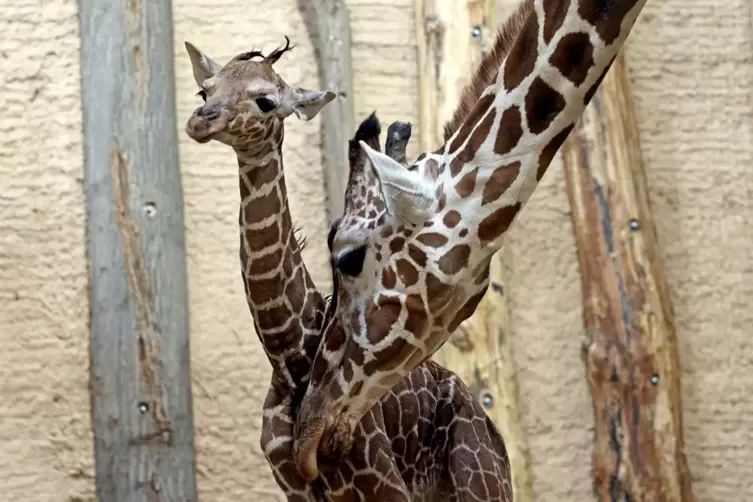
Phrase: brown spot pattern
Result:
[590,93]
[381,317]
[555,15]
[478,111]
[417,255]
[397,244]
[270,203]
[466,310]
[451,219]
[266,263]
[456,165]
[522,57]
[454,259]
[550,150]
[263,175]
[432,239]
[510,131]
[543,104]
[389,358]
[441,202]
[407,272]
[467,183]
[480,133]
[606,16]
[436,290]
[573,57]
[264,238]
[273,317]
[497,223]
[499,182]
[416,320]
[389,279]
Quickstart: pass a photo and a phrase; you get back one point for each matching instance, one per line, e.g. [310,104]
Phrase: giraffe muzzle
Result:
[322,441]
[306,449]
[205,123]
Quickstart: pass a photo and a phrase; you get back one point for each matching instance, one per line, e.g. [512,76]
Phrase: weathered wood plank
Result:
[140,374]
[328,24]
[452,37]
[631,354]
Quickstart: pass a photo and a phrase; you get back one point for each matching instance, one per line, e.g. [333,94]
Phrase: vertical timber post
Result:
[140,377]
[631,353]
[328,24]
[452,37]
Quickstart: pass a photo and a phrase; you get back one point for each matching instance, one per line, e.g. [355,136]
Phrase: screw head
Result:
[476,32]
[654,380]
[634,224]
[487,400]
[150,209]
[143,407]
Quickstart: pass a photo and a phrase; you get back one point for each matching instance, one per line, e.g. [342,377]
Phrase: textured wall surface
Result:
[693,78]
[45,439]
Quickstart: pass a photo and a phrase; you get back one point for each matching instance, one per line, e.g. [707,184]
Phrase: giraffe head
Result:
[351,372]
[245,99]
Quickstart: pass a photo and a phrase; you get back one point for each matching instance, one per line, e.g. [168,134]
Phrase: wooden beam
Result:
[631,354]
[328,24]
[452,37]
[141,402]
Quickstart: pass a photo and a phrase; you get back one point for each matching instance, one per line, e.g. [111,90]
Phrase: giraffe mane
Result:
[247,56]
[272,57]
[487,70]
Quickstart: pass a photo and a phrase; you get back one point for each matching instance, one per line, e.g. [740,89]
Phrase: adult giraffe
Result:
[427,439]
[413,259]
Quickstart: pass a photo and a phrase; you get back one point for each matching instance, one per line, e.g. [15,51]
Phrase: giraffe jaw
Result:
[203,130]
[307,448]
[328,440]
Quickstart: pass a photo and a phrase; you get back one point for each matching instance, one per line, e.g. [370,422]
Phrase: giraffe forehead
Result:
[351,233]
[258,85]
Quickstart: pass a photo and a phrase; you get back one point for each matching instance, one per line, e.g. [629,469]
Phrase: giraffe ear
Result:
[306,103]
[406,193]
[204,67]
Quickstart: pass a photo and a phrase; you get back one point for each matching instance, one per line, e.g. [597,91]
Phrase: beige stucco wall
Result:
[693,80]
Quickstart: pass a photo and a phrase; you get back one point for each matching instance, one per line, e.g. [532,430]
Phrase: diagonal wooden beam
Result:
[140,365]
[452,37]
[630,354]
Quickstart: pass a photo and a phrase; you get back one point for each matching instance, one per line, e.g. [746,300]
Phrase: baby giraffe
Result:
[426,439]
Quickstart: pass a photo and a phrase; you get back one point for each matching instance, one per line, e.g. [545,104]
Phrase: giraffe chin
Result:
[307,448]
[328,441]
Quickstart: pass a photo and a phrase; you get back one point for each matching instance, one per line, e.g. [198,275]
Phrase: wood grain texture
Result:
[328,24]
[631,354]
[140,376]
[452,37]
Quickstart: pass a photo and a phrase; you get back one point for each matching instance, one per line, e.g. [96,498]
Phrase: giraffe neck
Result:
[491,165]
[287,309]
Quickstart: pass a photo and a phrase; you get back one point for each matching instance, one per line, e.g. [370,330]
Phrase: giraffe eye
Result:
[202,94]
[351,263]
[265,104]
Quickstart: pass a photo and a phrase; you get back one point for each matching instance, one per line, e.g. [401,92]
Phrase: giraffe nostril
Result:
[208,113]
